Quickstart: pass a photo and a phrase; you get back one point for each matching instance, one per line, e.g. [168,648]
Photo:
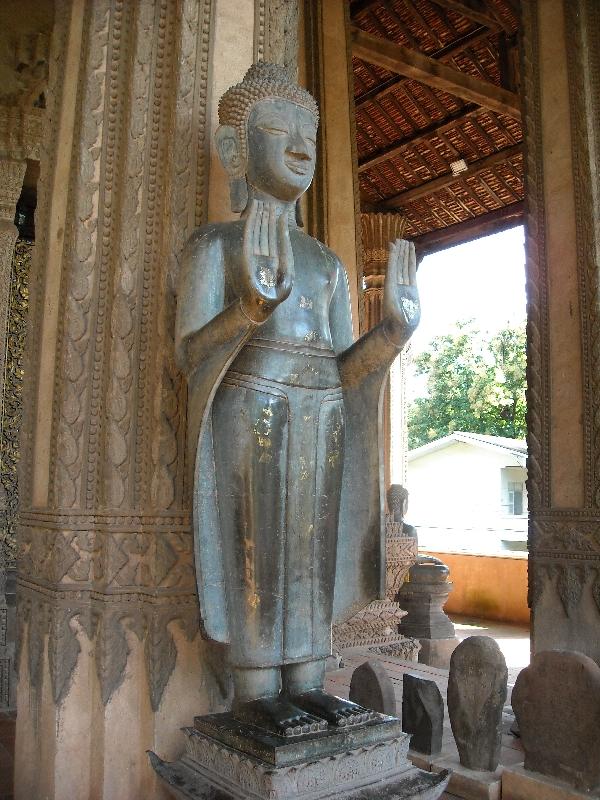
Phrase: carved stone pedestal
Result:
[377,625]
[362,763]
[423,597]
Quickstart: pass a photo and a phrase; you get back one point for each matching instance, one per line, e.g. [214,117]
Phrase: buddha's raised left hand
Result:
[401,306]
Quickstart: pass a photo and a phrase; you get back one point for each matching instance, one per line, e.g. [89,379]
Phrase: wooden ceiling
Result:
[436,82]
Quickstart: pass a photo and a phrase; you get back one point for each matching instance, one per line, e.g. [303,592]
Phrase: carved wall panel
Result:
[564,571]
[110,549]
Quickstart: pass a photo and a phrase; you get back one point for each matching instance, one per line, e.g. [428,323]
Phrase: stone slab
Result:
[372,687]
[468,783]
[519,783]
[422,713]
[210,770]
[280,751]
[556,700]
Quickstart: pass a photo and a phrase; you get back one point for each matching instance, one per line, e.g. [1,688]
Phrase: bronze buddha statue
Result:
[283,416]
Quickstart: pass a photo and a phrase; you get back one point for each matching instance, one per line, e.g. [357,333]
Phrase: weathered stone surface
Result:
[423,597]
[378,623]
[264,590]
[371,687]
[467,783]
[422,714]
[437,652]
[556,701]
[476,697]
[210,769]
[519,783]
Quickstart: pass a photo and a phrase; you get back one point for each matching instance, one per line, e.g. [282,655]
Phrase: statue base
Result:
[362,764]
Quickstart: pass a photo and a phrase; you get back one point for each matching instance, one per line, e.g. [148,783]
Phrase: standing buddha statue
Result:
[283,416]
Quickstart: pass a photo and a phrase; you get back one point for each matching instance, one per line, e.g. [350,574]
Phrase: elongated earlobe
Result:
[238,194]
[230,152]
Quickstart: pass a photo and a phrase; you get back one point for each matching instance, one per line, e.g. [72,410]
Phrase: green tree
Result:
[475,383]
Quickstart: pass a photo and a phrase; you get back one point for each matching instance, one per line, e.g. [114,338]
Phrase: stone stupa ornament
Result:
[283,417]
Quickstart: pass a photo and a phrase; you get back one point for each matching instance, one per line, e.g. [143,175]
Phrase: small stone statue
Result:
[477,687]
[282,405]
[398,505]
[424,595]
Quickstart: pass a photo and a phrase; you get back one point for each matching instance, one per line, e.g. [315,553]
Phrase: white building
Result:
[467,492]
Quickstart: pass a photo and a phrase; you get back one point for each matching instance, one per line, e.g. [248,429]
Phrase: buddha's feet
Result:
[279,716]
[338,712]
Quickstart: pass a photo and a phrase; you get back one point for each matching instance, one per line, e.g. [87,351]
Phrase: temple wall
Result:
[111,659]
[487,587]
[561,87]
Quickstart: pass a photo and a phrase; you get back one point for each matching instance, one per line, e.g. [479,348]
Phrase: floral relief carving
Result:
[570,583]
[137,188]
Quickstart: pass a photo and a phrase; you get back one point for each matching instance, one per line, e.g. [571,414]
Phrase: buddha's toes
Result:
[279,716]
[337,711]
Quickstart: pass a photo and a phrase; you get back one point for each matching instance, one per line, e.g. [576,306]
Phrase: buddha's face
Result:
[281,149]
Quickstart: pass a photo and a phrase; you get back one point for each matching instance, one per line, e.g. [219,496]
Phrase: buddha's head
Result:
[267,135]
[397,497]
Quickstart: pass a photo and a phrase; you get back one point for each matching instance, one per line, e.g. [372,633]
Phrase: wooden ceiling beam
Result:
[467,10]
[443,54]
[416,66]
[482,225]
[437,184]
[362,5]
[419,136]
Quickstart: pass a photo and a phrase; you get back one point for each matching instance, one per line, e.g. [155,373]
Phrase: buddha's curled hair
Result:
[262,81]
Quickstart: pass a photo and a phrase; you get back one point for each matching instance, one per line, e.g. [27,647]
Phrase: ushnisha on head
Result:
[267,135]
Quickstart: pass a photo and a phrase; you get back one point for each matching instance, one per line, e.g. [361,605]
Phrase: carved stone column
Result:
[276,32]
[561,84]
[378,231]
[111,659]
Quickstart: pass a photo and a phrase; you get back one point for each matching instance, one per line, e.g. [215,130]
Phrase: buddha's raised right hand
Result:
[268,261]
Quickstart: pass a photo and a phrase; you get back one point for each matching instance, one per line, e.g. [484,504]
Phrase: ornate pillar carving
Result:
[276,32]
[12,172]
[378,231]
[110,643]
[561,79]
[24,80]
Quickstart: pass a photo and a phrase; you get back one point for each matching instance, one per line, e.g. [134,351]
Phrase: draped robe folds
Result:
[208,306]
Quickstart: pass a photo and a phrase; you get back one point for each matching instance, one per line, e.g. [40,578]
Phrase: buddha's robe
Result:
[285,441]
